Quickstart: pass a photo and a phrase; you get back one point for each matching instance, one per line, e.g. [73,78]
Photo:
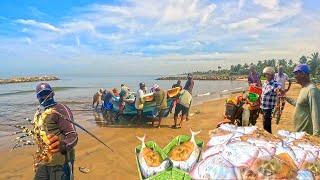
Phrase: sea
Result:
[18,101]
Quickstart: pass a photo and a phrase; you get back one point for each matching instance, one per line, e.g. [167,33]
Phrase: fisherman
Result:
[270,90]
[122,102]
[177,85]
[139,102]
[307,107]
[174,102]
[189,87]
[108,106]
[98,97]
[254,77]
[124,87]
[115,92]
[160,97]
[182,106]
[53,118]
[281,78]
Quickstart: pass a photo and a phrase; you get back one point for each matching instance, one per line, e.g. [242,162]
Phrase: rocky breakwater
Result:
[28,79]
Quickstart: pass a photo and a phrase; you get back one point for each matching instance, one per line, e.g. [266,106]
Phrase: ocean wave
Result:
[15,92]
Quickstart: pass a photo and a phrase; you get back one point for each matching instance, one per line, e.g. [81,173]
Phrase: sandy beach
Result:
[121,163]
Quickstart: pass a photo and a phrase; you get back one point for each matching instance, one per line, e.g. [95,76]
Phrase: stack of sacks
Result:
[252,153]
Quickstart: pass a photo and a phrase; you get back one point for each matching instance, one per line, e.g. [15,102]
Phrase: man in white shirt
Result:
[282,78]
[140,101]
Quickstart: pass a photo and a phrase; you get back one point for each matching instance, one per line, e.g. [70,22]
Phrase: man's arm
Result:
[69,131]
[290,82]
[249,79]
[291,101]
[314,102]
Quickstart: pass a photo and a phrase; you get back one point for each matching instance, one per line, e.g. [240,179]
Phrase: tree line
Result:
[288,65]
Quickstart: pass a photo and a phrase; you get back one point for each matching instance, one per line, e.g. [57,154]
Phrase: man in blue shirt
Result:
[269,95]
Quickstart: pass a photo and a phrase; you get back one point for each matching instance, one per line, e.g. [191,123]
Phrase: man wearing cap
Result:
[160,96]
[51,119]
[270,90]
[307,107]
[140,101]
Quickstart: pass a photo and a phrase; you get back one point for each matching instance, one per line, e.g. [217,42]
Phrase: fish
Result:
[215,167]
[279,167]
[150,161]
[312,151]
[282,148]
[300,155]
[218,138]
[228,127]
[240,154]
[313,167]
[305,174]
[247,129]
[185,155]
[212,150]
[266,149]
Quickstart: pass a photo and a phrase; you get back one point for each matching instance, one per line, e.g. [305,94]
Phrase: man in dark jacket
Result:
[53,121]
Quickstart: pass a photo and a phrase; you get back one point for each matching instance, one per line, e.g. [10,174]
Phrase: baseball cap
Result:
[43,89]
[142,84]
[302,68]
[268,70]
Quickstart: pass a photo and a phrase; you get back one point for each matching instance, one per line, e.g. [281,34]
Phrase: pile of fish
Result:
[252,153]
[186,154]
[180,155]
[150,160]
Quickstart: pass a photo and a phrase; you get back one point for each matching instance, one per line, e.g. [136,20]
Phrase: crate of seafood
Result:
[252,153]
[184,151]
[151,160]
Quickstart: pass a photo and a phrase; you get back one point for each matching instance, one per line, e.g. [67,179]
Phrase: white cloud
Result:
[41,25]
[270,4]
[241,3]
[172,30]
[247,24]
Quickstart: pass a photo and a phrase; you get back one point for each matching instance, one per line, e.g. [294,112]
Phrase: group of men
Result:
[56,119]
[181,103]
[306,116]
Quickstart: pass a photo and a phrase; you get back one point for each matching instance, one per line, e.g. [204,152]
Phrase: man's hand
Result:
[54,145]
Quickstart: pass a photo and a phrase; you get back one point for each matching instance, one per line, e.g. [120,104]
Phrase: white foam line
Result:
[205,94]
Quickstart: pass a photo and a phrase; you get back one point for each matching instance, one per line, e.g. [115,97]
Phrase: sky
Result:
[152,36]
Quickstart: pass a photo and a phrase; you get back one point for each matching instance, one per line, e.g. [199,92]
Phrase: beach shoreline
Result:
[121,164]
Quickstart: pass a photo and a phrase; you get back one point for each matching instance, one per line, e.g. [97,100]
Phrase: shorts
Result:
[180,108]
[59,172]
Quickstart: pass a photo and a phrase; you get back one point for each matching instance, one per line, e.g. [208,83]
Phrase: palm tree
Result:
[303,60]
[313,63]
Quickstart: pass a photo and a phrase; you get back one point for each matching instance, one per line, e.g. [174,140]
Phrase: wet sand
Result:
[121,163]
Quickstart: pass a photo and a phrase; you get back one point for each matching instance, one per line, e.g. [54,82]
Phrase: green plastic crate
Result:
[157,148]
[179,140]
[171,174]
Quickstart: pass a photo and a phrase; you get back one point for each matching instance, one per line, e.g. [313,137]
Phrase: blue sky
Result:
[152,36]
